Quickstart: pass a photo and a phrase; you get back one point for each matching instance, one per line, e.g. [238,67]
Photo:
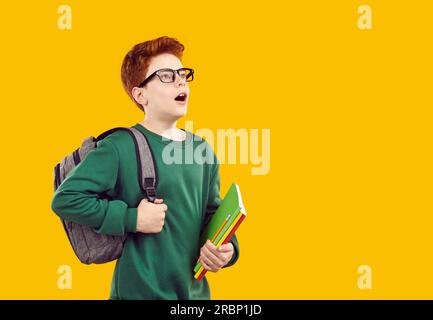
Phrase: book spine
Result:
[223,239]
[228,226]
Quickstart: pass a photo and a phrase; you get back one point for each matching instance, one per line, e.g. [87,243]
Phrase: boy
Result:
[162,246]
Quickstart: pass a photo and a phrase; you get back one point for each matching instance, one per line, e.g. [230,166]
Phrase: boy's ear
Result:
[139,95]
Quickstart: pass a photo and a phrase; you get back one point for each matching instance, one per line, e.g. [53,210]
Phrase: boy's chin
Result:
[178,114]
[181,112]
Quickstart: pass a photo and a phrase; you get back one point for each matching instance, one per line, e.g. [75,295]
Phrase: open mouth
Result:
[181,97]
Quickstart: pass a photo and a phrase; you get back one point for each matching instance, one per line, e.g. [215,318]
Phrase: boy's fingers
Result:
[160,202]
[209,265]
[211,256]
[225,248]
[205,262]
[215,251]
[205,265]
[212,248]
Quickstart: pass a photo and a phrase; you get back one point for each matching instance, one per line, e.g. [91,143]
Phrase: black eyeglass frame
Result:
[150,77]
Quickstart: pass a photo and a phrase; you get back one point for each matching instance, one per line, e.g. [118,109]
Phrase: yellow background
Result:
[350,118]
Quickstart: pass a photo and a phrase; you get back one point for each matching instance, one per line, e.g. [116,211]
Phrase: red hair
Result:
[136,62]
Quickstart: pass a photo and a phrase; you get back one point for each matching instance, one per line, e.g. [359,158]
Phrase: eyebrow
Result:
[166,68]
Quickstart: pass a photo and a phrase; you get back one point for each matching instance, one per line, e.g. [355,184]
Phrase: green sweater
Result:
[152,266]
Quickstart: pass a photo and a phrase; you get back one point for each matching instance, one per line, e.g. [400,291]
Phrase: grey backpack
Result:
[90,246]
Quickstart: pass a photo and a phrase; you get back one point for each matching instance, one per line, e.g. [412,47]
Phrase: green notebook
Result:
[228,210]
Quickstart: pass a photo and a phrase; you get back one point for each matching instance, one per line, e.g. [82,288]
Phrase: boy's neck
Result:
[165,129]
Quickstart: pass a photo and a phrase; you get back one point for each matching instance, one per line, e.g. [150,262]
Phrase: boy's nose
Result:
[180,81]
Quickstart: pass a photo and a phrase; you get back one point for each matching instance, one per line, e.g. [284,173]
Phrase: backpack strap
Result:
[145,162]
[108,132]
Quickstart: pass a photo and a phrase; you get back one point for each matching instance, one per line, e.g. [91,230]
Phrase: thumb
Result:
[158,201]
[224,248]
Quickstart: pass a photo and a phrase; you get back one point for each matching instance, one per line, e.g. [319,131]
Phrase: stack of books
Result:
[223,224]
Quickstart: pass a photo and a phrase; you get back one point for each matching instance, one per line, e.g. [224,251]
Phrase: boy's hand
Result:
[151,216]
[213,258]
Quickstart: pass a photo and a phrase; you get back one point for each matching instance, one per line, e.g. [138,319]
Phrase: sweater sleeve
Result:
[80,197]
[214,202]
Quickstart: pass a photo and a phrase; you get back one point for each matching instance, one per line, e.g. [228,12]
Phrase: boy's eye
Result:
[167,76]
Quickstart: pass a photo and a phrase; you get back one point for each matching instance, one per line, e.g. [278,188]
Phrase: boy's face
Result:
[157,97]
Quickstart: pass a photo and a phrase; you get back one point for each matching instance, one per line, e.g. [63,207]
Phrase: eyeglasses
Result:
[169,75]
